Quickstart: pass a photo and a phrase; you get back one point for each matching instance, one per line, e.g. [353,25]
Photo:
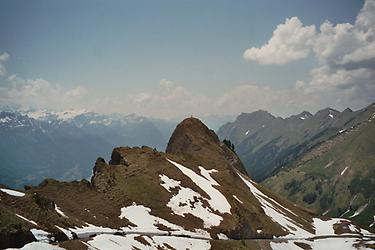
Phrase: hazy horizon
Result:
[171,60]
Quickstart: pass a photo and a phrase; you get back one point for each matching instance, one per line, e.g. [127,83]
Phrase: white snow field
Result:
[12,192]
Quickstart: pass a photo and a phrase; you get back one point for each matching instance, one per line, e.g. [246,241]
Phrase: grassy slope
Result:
[315,180]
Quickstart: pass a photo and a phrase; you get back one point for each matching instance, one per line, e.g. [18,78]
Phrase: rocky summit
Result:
[195,196]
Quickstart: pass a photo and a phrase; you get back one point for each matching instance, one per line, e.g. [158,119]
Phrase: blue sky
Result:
[145,56]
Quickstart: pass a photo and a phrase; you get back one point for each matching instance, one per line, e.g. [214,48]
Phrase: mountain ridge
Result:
[265,143]
[179,199]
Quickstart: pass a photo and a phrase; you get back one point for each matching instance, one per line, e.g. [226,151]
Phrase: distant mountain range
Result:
[324,161]
[266,143]
[197,195]
[39,144]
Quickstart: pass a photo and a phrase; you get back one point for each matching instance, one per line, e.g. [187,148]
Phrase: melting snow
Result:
[31,221]
[114,242]
[325,227]
[188,201]
[339,243]
[40,235]
[222,236]
[237,199]
[277,212]
[373,223]
[90,229]
[39,246]
[145,222]
[58,210]
[343,172]
[168,183]
[359,210]
[12,192]
[66,232]
[217,200]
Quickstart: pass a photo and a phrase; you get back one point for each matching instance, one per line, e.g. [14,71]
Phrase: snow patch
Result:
[40,235]
[323,227]
[168,183]
[90,229]
[31,221]
[58,210]
[217,200]
[115,242]
[235,197]
[6,119]
[39,246]
[373,223]
[342,131]
[343,172]
[277,212]
[140,216]
[12,192]
[330,115]
[67,232]
[69,114]
[247,132]
[339,243]
[359,210]
[222,236]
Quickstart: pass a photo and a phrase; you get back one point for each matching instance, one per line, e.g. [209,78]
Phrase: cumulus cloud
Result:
[38,93]
[3,58]
[345,53]
[290,41]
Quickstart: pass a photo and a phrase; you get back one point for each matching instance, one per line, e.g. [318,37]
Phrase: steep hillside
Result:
[335,178]
[194,196]
[37,144]
[265,143]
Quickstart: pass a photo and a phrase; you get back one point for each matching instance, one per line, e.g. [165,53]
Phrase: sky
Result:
[170,59]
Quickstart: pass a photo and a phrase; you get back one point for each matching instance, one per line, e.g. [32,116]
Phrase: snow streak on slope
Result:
[24,218]
[12,192]
[180,203]
[135,241]
[58,210]
[217,200]
[146,223]
[277,212]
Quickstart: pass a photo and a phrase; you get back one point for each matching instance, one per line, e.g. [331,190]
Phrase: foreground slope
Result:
[194,196]
[266,143]
[337,177]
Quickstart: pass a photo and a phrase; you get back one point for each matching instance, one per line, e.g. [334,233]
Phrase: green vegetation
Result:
[335,176]
[309,198]
[229,144]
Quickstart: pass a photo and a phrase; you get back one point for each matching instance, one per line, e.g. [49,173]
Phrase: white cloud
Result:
[290,41]
[39,93]
[345,53]
[3,58]
[77,92]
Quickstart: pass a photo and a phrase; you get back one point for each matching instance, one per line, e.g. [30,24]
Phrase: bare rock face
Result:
[192,137]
